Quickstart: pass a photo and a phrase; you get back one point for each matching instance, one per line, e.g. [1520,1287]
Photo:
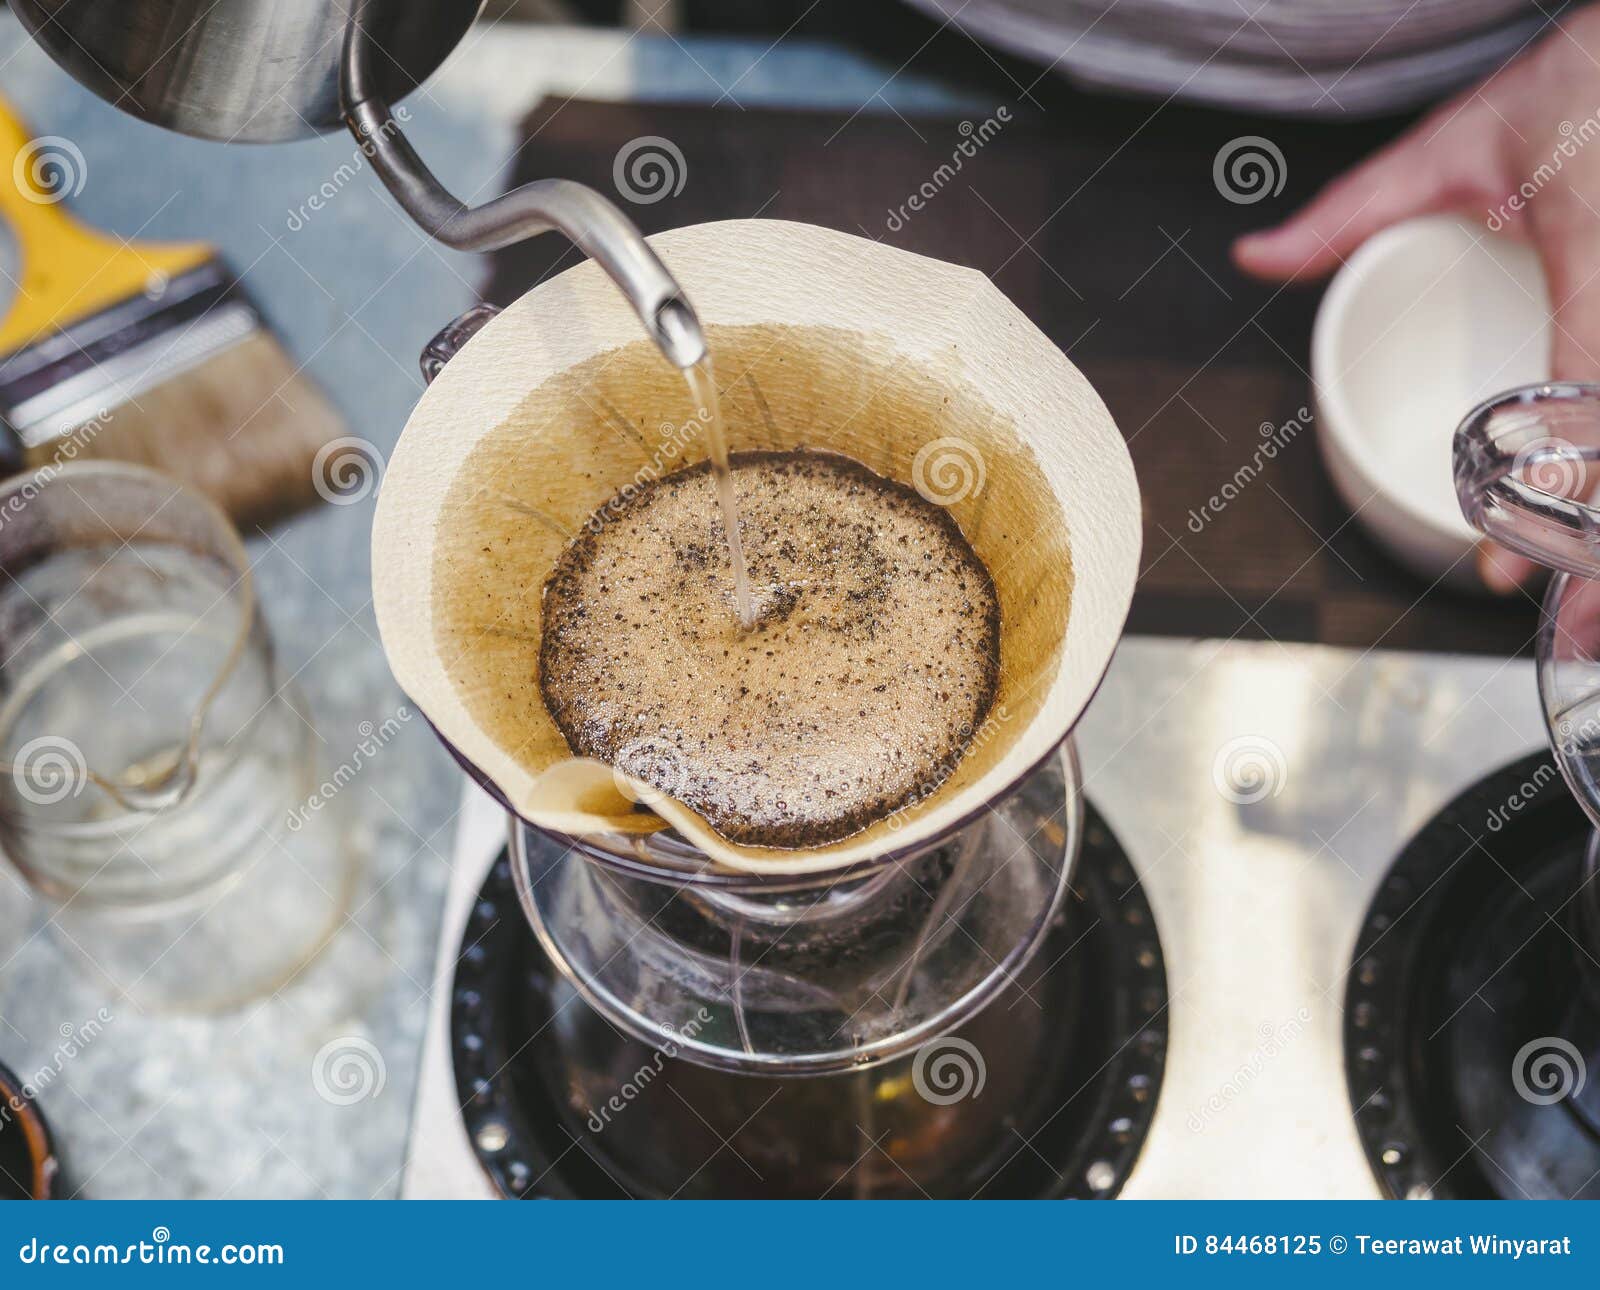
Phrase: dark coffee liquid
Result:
[873,660]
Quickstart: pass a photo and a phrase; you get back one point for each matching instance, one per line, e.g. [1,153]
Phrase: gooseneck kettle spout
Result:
[260,71]
[593,224]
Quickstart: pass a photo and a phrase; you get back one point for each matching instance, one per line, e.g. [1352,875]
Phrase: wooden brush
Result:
[143,352]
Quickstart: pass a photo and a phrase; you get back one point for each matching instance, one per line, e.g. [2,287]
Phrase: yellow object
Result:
[67,271]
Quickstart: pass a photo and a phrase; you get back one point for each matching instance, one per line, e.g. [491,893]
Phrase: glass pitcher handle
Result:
[443,347]
[1526,463]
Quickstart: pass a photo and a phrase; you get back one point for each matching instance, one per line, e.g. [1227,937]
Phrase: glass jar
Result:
[158,774]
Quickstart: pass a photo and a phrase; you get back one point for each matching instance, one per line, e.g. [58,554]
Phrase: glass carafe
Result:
[158,772]
[1527,474]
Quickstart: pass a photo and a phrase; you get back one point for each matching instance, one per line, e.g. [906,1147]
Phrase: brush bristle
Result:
[243,427]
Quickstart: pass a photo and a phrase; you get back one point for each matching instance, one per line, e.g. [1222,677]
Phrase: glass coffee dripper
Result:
[786,974]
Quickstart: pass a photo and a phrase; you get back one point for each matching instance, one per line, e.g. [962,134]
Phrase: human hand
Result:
[1521,153]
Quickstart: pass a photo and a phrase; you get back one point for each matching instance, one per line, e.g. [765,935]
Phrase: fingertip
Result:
[1570,358]
[1501,571]
[1262,255]
[1281,254]
[1249,251]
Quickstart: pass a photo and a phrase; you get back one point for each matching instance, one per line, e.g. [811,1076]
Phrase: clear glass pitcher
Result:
[1527,466]
[158,773]
[1527,474]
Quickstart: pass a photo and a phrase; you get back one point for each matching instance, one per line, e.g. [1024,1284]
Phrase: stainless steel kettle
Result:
[269,70]
[250,71]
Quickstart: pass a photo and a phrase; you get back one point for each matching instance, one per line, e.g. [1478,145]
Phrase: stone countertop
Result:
[226,1105]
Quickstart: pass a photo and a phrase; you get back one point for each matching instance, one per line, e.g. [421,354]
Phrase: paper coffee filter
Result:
[919,369]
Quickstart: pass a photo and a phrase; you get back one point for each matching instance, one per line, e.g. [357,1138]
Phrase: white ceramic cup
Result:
[1426,320]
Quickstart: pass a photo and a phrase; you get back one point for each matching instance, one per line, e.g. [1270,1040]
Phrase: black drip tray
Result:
[1471,1049]
[557,1102]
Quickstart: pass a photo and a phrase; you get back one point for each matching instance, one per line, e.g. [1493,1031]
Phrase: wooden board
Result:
[1102,221]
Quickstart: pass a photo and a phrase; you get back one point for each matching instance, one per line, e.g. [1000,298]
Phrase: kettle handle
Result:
[1526,463]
